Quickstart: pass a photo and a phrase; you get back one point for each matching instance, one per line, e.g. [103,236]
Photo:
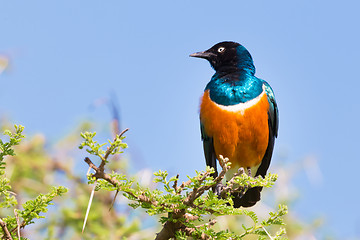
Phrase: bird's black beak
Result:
[205,54]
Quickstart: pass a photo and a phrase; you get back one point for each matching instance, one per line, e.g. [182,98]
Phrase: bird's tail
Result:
[249,199]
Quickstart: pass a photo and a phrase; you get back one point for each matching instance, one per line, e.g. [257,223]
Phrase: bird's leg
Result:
[249,171]
[218,189]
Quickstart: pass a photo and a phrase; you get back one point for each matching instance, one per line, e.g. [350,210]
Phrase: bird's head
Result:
[228,56]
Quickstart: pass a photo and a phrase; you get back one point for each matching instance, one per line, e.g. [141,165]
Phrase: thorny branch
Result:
[178,216]
[170,227]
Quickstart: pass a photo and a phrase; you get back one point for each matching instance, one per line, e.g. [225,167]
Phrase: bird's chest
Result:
[230,90]
[240,132]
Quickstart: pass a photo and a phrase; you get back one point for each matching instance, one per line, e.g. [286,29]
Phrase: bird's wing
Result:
[209,150]
[273,110]
[273,120]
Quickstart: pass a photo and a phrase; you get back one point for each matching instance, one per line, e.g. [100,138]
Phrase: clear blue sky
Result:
[65,55]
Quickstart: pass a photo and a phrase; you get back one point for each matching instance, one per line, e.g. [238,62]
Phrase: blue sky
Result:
[66,55]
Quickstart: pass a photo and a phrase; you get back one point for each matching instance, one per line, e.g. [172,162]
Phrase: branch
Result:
[18,223]
[187,209]
[230,185]
[168,231]
[197,192]
[7,234]
[190,231]
[171,227]
[175,186]
[110,149]
[100,173]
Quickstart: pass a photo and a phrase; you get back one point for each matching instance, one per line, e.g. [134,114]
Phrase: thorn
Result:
[88,208]
[113,201]
[88,171]
[267,233]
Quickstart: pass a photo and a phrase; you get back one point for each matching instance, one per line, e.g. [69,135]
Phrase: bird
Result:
[239,116]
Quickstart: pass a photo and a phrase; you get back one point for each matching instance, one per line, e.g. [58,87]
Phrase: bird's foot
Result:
[218,189]
[242,171]
[249,171]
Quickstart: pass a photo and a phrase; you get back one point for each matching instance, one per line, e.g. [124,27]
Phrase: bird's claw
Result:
[218,189]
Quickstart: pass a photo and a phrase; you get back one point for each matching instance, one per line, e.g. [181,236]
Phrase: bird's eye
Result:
[221,49]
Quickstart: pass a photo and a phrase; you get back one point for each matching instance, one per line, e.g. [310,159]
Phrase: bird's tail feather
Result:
[249,199]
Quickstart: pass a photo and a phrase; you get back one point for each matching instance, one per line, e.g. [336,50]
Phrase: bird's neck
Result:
[243,67]
[233,73]
[244,60]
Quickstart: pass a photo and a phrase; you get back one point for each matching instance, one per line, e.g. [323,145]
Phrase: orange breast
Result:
[241,135]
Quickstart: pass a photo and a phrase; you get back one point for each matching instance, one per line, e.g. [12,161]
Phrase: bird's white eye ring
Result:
[221,49]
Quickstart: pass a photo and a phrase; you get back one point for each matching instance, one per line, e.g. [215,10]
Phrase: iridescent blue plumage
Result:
[234,88]
[244,60]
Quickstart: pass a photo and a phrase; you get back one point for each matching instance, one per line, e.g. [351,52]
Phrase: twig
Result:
[210,223]
[175,185]
[183,185]
[7,234]
[170,227]
[230,185]
[23,223]
[18,223]
[189,231]
[197,192]
[109,150]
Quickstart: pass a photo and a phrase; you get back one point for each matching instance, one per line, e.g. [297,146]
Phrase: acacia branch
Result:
[100,173]
[230,185]
[7,234]
[110,149]
[175,186]
[178,217]
[18,223]
[171,227]
[190,231]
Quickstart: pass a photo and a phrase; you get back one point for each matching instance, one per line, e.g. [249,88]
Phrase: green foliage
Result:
[6,197]
[258,228]
[190,207]
[7,147]
[95,148]
[31,208]
[184,208]
[35,168]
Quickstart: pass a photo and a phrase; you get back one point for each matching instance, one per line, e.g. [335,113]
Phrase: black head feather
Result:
[227,56]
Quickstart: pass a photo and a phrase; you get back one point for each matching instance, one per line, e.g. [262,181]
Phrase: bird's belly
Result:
[240,132]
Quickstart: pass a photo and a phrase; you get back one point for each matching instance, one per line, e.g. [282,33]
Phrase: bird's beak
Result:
[205,54]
